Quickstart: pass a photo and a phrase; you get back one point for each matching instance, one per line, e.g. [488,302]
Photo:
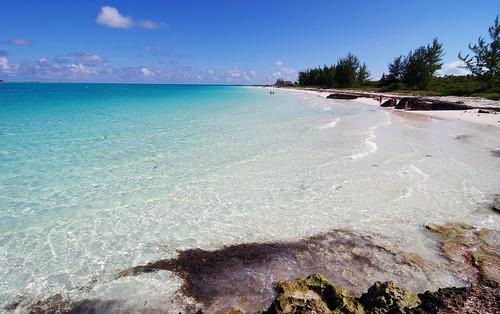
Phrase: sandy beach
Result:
[471,116]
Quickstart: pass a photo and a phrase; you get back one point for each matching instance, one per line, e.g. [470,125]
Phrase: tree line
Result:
[415,70]
[348,72]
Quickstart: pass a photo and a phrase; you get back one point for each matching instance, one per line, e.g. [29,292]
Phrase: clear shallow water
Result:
[97,178]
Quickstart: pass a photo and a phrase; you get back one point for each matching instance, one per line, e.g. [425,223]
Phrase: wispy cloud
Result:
[454,68]
[21,42]
[236,75]
[111,17]
[279,63]
[81,57]
[286,73]
[17,42]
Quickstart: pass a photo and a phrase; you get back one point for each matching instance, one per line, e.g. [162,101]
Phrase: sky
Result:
[224,41]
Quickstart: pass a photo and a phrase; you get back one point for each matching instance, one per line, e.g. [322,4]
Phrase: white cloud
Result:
[79,70]
[279,63]
[454,68]
[111,17]
[146,72]
[234,72]
[286,73]
[4,64]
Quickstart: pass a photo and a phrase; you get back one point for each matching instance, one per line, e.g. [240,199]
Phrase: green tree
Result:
[421,65]
[396,69]
[346,71]
[363,74]
[485,63]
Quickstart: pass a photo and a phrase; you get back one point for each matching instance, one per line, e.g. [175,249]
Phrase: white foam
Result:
[330,124]
[371,146]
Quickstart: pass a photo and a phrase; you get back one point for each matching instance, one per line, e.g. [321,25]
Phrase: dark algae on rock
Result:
[315,294]
[243,275]
[246,278]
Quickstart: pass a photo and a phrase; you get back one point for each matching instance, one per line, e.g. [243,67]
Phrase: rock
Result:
[495,152]
[315,294]
[477,299]
[54,304]
[496,204]
[389,103]
[342,96]
[417,103]
[473,252]
[412,103]
[483,111]
[387,297]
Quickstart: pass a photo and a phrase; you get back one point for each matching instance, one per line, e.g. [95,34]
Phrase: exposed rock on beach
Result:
[361,273]
[353,261]
[315,294]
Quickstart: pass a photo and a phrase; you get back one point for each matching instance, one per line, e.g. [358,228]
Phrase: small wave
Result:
[370,145]
[330,124]
[419,172]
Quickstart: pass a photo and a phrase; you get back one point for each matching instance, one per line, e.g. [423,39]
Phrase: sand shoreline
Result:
[469,116]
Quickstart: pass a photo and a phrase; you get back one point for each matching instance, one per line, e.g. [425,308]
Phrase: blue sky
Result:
[223,42]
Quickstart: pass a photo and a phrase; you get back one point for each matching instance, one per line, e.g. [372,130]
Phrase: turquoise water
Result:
[95,178]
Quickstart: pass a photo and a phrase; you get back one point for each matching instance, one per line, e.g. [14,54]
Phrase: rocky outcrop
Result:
[315,294]
[476,299]
[474,252]
[389,103]
[496,203]
[342,96]
[417,103]
[388,297]
[243,275]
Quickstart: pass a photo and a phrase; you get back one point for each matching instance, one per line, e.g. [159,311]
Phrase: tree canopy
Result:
[348,72]
[418,67]
[485,61]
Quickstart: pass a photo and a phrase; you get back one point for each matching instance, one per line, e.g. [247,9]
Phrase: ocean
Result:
[97,178]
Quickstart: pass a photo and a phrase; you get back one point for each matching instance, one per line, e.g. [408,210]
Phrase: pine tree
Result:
[395,70]
[485,63]
[420,66]
[363,74]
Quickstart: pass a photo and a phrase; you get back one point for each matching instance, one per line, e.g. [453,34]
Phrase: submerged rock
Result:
[244,275]
[474,252]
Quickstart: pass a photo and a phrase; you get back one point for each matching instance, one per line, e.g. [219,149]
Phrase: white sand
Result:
[464,115]
[472,116]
